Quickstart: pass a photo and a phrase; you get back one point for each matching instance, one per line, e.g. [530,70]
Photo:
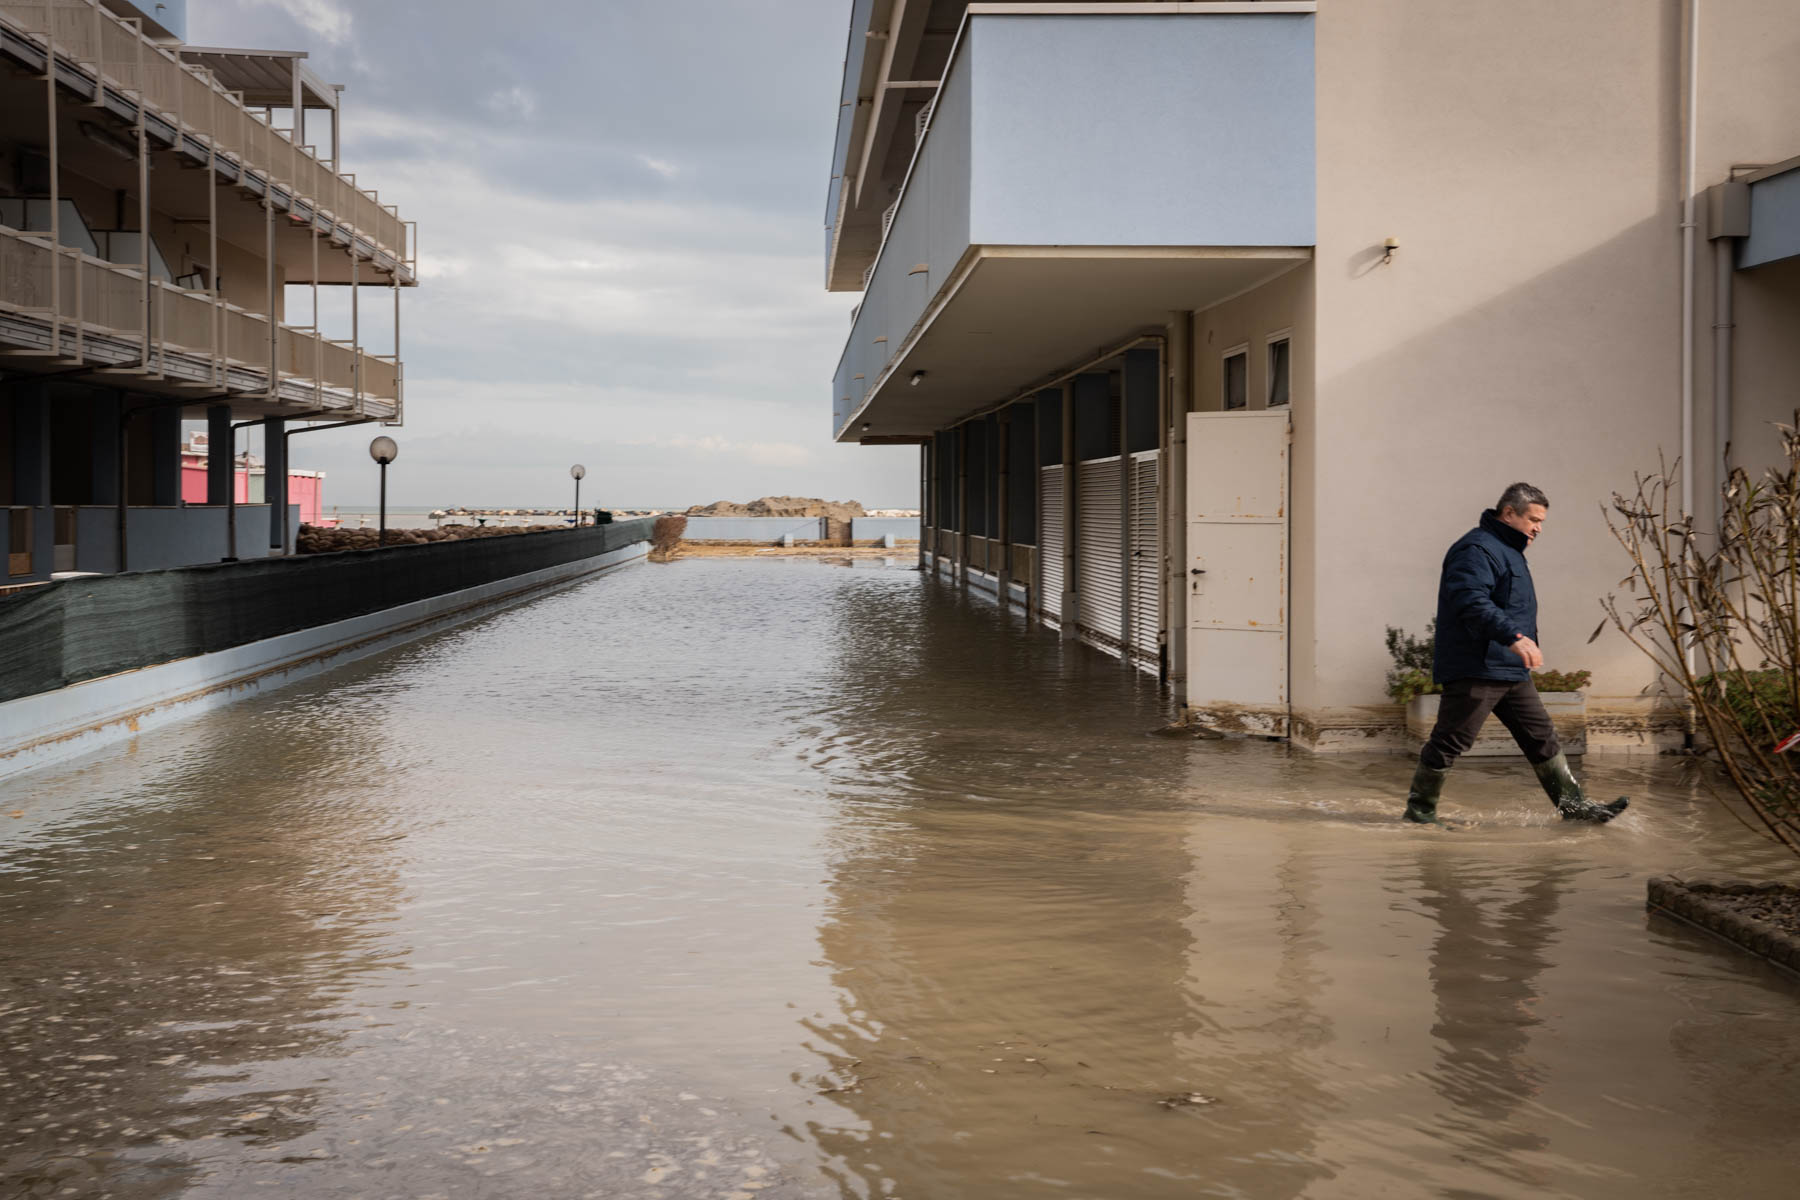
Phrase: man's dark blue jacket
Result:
[1485,601]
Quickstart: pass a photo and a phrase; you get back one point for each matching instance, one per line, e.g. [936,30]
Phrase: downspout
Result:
[1724,270]
[1689,154]
[1691,137]
[286,458]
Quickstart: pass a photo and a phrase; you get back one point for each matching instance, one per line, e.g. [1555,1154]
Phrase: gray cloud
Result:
[619,207]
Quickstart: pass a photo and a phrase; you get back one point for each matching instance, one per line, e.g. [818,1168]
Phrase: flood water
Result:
[739,878]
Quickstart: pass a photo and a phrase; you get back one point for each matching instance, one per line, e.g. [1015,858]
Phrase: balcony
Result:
[1083,173]
[66,303]
[105,61]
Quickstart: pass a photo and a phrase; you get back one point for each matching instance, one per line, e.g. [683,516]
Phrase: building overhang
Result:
[265,78]
[1773,215]
[1013,318]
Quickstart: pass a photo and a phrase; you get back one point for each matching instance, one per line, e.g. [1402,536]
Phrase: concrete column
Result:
[1179,402]
[1002,517]
[104,446]
[1070,614]
[275,480]
[962,504]
[165,456]
[31,472]
[925,450]
[1127,600]
[220,454]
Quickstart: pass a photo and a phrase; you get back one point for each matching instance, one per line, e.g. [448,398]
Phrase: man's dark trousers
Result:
[1466,703]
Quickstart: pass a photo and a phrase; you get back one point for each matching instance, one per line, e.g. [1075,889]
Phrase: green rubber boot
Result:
[1559,784]
[1422,797]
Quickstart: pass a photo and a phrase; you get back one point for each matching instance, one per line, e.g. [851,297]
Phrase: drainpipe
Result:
[287,458]
[1690,138]
[1689,153]
[1174,479]
[1727,220]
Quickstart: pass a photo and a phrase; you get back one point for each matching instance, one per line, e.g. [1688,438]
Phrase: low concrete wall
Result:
[754,529]
[158,539]
[50,727]
[871,528]
[83,628]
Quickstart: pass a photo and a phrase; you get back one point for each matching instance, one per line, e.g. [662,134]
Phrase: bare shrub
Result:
[1724,622]
[665,537]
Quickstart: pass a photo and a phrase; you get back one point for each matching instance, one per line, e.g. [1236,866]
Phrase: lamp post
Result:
[384,451]
[577,472]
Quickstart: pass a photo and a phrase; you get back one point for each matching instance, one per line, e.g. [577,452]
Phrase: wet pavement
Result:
[770,878]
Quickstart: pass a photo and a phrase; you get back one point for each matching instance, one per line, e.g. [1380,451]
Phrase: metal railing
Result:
[99,297]
[188,97]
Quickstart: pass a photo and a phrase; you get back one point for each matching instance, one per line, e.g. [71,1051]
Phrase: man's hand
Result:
[1528,653]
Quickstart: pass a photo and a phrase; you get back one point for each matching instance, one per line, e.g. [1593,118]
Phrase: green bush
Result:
[1411,673]
[1561,681]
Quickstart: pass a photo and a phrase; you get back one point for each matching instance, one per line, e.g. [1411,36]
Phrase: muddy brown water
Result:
[780,878]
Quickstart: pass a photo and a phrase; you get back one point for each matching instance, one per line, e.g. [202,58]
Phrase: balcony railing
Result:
[173,327]
[191,100]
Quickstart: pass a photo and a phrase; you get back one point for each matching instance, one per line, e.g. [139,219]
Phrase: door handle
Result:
[1198,571]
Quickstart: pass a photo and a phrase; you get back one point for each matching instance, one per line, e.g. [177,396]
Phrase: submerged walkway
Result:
[775,878]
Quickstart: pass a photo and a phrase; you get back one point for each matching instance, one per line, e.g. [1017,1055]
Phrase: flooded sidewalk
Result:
[736,878]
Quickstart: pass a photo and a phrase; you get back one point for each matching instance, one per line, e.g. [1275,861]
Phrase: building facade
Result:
[158,201]
[1216,323]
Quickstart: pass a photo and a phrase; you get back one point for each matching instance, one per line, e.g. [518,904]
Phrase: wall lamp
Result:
[918,377]
[1387,250]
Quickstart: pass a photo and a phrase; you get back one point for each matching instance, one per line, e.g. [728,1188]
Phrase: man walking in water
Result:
[1485,652]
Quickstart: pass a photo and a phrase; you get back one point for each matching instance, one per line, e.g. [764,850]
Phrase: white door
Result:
[1050,544]
[1237,499]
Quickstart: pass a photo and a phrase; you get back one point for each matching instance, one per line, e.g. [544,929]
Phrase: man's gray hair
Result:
[1519,497]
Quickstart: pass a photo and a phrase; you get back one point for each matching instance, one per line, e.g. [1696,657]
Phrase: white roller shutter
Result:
[1100,554]
[1051,549]
[1146,561]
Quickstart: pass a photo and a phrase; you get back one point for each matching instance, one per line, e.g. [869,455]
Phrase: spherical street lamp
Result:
[383,450]
[578,473]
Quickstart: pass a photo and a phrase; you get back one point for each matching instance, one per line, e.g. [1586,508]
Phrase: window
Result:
[1237,380]
[1278,371]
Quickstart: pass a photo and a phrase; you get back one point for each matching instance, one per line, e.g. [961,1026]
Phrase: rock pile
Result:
[781,506]
[314,539]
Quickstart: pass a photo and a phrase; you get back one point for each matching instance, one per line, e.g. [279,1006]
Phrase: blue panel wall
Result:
[1774,220]
[1140,130]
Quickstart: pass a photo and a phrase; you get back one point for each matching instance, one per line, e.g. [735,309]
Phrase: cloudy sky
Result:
[620,206]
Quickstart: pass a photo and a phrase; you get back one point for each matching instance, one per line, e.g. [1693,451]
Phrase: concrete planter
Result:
[1709,907]
[1568,712]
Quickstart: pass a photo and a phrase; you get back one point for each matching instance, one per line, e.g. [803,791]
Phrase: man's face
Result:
[1530,522]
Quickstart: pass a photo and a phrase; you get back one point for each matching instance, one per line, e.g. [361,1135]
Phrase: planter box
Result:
[1719,909]
[1568,712]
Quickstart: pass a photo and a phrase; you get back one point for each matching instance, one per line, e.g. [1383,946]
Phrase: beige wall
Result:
[1283,304]
[1525,155]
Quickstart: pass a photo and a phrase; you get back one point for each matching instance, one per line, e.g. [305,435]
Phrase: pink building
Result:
[305,488]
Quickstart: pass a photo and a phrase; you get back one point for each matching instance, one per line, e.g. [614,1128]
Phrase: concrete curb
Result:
[1693,904]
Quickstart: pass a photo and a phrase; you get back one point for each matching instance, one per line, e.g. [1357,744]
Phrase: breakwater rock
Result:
[315,539]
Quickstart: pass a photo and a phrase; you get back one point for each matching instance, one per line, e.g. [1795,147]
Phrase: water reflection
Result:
[1495,932]
[168,940]
[775,878]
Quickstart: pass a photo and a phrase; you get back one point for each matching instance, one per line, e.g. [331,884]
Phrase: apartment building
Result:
[1217,322]
[159,203]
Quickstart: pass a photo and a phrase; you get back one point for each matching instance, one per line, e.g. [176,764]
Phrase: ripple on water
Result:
[766,878]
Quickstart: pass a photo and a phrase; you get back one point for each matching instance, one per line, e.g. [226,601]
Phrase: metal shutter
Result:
[1100,553]
[1146,561]
[1050,543]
